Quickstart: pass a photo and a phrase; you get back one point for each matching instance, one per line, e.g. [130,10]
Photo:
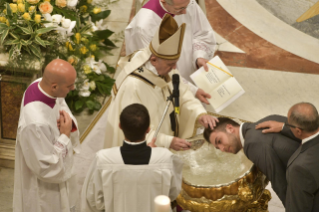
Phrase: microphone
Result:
[176,92]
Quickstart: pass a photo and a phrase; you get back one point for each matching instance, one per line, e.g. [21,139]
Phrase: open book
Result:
[219,83]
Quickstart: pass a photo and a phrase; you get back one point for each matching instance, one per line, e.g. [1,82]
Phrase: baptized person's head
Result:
[224,136]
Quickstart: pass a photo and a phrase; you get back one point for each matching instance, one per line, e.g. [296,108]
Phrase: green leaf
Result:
[11,42]
[90,104]
[26,49]
[102,34]
[44,30]
[8,8]
[14,35]
[78,104]
[3,26]
[99,16]
[25,30]
[108,42]
[46,42]
[97,105]
[36,50]
[39,41]
[23,42]
[11,52]
[19,46]
[4,35]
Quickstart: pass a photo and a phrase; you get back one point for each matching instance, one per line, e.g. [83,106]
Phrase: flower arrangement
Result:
[37,31]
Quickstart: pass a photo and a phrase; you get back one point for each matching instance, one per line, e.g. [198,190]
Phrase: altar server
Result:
[303,166]
[128,178]
[199,40]
[145,78]
[269,152]
[44,178]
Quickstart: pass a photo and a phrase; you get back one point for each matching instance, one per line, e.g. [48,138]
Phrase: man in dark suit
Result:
[269,152]
[303,166]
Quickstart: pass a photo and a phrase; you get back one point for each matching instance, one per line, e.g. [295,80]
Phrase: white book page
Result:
[223,94]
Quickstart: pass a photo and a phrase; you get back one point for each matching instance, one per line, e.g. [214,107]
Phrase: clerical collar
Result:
[35,94]
[44,91]
[242,139]
[134,143]
[309,138]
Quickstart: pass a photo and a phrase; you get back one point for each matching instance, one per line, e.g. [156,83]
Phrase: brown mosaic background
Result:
[11,97]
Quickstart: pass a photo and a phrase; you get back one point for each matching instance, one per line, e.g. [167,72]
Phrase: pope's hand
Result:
[65,123]
[207,120]
[202,62]
[152,143]
[202,96]
[179,144]
[272,126]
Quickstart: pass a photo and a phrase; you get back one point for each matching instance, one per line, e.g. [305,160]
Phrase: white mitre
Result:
[168,40]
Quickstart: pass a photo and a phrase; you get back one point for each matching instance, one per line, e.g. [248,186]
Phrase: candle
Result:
[162,204]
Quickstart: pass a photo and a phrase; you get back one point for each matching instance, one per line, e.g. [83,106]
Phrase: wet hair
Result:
[220,126]
[305,116]
[135,121]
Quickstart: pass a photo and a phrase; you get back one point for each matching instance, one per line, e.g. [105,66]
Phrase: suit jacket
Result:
[303,178]
[270,153]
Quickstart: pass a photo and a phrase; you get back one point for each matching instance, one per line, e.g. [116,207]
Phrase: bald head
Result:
[305,116]
[58,78]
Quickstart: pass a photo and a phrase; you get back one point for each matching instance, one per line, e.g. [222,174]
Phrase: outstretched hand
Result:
[207,120]
[202,96]
[270,126]
[152,143]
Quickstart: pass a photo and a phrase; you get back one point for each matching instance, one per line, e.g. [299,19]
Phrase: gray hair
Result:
[305,116]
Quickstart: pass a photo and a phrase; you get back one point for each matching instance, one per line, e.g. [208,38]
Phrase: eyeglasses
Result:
[180,9]
[292,126]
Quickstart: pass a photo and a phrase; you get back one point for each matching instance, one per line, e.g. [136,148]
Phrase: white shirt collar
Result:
[242,140]
[150,67]
[133,143]
[310,137]
[45,92]
[163,6]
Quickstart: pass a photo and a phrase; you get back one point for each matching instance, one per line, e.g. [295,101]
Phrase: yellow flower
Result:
[84,50]
[87,69]
[7,23]
[69,46]
[5,11]
[60,3]
[20,2]
[14,7]
[96,10]
[71,60]
[89,1]
[21,7]
[26,16]
[37,18]
[83,8]
[3,19]
[31,9]
[93,47]
[47,0]
[78,38]
[45,8]
[33,1]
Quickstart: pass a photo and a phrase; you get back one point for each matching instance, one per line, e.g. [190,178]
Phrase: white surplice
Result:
[199,40]
[113,186]
[44,173]
[137,84]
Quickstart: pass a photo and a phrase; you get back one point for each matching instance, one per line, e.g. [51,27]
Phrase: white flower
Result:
[56,18]
[84,91]
[97,25]
[97,67]
[92,85]
[72,3]
[66,23]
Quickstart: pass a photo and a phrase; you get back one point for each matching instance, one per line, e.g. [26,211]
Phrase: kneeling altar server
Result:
[145,78]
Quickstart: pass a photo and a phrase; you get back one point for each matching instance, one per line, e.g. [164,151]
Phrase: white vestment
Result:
[113,186]
[136,84]
[199,40]
[44,172]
